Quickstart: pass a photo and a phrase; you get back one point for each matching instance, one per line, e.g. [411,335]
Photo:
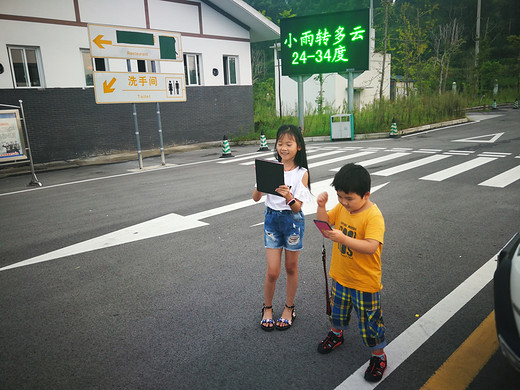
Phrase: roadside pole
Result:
[159,129]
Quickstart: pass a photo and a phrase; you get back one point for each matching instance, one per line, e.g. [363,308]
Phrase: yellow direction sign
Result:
[134,43]
[139,87]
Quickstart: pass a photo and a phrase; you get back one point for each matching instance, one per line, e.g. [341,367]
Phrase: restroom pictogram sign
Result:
[139,87]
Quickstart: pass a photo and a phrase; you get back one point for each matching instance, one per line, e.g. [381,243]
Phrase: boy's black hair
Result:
[352,178]
[301,155]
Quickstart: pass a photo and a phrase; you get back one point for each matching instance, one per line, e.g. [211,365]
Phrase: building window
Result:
[192,69]
[230,70]
[88,67]
[91,65]
[100,64]
[26,66]
[141,65]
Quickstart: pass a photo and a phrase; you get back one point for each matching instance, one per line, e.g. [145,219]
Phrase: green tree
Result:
[412,44]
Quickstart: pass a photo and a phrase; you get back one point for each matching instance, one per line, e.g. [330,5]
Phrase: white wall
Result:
[59,47]
[212,57]
[60,44]
[113,12]
[217,24]
[56,9]
[174,16]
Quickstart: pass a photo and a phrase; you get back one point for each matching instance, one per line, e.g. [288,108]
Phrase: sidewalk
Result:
[24,168]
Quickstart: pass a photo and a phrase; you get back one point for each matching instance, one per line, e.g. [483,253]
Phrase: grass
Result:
[374,118]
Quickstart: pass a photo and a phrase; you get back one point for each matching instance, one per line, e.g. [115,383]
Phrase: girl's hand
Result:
[285,191]
[322,199]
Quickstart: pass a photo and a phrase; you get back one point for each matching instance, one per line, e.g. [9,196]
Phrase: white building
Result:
[45,61]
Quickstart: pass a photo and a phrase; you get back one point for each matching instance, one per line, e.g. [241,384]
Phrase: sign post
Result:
[127,87]
[12,138]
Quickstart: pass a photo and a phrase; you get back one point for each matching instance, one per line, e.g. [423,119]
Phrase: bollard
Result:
[226,149]
[393,129]
[263,142]
[515,104]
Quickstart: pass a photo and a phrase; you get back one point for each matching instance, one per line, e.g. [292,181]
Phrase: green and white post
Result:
[226,149]
[393,129]
[263,142]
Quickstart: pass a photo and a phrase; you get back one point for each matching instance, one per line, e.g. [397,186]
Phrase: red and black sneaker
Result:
[330,342]
[376,369]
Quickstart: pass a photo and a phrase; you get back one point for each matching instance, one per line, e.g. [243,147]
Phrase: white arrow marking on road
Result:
[487,139]
[167,224]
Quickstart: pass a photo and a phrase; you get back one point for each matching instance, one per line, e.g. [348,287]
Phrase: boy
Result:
[355,266]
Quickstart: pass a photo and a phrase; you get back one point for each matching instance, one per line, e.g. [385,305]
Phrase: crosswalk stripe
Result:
[504,179]
[499,181]
[377,160]
[271,154]
[324,154]
[457,169]
[337,159]
[411,165]
[255,155]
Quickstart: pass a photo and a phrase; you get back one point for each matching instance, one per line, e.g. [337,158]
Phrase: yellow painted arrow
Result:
[100,42]
[107,88]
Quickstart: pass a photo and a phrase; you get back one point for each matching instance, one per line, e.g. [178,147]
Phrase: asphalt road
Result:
[112,277]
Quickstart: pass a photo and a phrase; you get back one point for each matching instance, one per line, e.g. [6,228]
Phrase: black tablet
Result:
[269,176]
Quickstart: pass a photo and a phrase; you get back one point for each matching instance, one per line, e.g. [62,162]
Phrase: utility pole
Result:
[477,49]
[385,40]
[477,35]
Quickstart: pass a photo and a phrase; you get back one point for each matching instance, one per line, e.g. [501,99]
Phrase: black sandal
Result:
[288,323]
[267,321]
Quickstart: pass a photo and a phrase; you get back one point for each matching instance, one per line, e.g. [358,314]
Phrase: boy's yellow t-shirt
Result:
[353,269]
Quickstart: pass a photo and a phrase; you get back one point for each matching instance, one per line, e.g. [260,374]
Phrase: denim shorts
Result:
[283,229]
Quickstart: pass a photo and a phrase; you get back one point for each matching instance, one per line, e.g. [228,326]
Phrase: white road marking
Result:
[272,154]
[410,165]
[377,160]
[457,169]
[487,139]
[337,159]
[245,157]
[421,330]
[504,179]
[166,224]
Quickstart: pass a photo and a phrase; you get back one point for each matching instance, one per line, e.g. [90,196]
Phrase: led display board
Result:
[325,43]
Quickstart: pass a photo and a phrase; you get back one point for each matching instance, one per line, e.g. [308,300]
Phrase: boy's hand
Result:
[322,199]
[335,235]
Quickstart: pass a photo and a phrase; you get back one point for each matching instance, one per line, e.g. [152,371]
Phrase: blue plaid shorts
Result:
[368,309]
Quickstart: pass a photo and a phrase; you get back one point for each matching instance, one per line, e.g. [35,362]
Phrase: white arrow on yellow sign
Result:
[139,87]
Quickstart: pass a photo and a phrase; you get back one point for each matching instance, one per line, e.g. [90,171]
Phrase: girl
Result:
[284,224]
